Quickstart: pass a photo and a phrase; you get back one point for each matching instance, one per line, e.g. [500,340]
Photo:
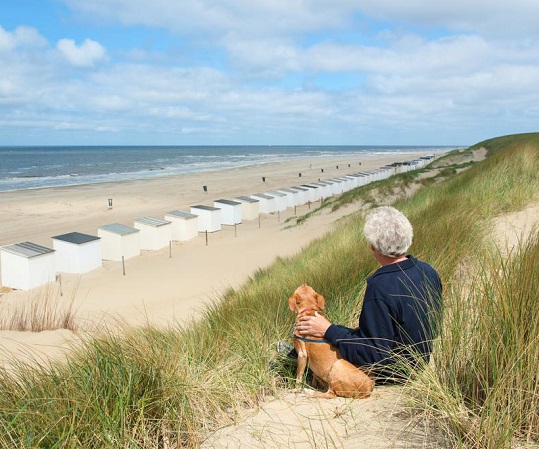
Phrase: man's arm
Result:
[372,342]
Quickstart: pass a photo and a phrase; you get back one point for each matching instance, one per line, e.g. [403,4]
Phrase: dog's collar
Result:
[308,340]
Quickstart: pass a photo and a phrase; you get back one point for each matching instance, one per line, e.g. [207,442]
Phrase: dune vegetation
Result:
[151,388]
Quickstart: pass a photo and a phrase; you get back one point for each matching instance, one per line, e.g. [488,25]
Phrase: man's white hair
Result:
[388,231]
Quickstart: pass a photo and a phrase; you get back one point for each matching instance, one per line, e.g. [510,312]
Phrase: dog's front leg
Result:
[302,362]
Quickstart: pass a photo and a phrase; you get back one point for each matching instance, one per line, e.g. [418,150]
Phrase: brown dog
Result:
[337,374]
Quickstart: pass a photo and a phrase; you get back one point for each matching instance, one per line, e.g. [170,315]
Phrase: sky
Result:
[267,72]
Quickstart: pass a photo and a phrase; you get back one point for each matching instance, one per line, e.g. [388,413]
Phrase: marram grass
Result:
[155,388]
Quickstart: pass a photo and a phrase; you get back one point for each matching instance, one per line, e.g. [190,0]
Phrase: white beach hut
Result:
[312,192]
[209,218]
[303,194]
[154,232]
[230,211]
[324,188]
[387,172]
[349,181]
[368,177]
[118,240]
[77,252]
[292,196]
[378,174]
[338,186]
[359,179]
[184,226]
[250,207]
[329,186]
[281,202]
[345,183]
[266,202]
[27,265]
[394,167]
[427,159]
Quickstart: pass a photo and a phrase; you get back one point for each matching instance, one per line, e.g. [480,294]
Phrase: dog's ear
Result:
[320,300]
[292,302]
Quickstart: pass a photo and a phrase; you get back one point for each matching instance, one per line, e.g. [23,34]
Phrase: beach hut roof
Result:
[150,221]
[228,202]
[247,199]
[120,229]
[262,195]
[303,189]
[210,208]
[76,238]
[181,214]
[276,193]
[27,249]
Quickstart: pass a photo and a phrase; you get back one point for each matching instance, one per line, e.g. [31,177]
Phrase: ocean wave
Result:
[92,165]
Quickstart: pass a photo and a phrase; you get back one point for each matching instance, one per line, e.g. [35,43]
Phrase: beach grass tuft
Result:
[44,309]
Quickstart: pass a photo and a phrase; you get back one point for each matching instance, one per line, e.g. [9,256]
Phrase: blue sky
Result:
[210,72]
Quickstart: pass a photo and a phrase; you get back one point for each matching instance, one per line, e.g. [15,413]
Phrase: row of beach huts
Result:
[27,265]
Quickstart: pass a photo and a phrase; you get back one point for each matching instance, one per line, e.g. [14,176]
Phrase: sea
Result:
[25,167]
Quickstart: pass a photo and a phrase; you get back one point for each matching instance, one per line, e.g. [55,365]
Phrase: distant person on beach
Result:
[401,303]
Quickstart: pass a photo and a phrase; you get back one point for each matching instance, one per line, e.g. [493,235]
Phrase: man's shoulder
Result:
[425,267]
[411,270]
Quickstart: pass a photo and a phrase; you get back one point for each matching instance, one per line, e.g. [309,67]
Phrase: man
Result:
[402,302]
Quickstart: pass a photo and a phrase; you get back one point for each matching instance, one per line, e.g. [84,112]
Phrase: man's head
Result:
[388,231]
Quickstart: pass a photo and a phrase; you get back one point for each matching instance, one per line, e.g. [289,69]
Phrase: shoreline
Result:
[143,197]
[121,172]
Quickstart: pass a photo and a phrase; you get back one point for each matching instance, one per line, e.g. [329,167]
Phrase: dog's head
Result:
[306,298]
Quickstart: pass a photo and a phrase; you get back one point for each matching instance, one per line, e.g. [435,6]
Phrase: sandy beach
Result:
[161,287]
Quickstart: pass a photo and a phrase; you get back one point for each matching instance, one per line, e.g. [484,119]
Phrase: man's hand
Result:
[315,326]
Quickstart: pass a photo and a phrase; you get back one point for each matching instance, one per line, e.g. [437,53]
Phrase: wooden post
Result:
[206,237]
[59,279]
[123,265]
[170,249]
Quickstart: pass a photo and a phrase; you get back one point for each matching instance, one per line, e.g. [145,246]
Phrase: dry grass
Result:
[44,309]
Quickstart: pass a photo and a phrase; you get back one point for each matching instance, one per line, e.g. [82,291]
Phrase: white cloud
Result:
[291,17]
[218,17]
[86,55]
[501,17]
[21,37]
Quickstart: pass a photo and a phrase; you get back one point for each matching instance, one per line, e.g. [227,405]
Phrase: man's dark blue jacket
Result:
[402,302]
